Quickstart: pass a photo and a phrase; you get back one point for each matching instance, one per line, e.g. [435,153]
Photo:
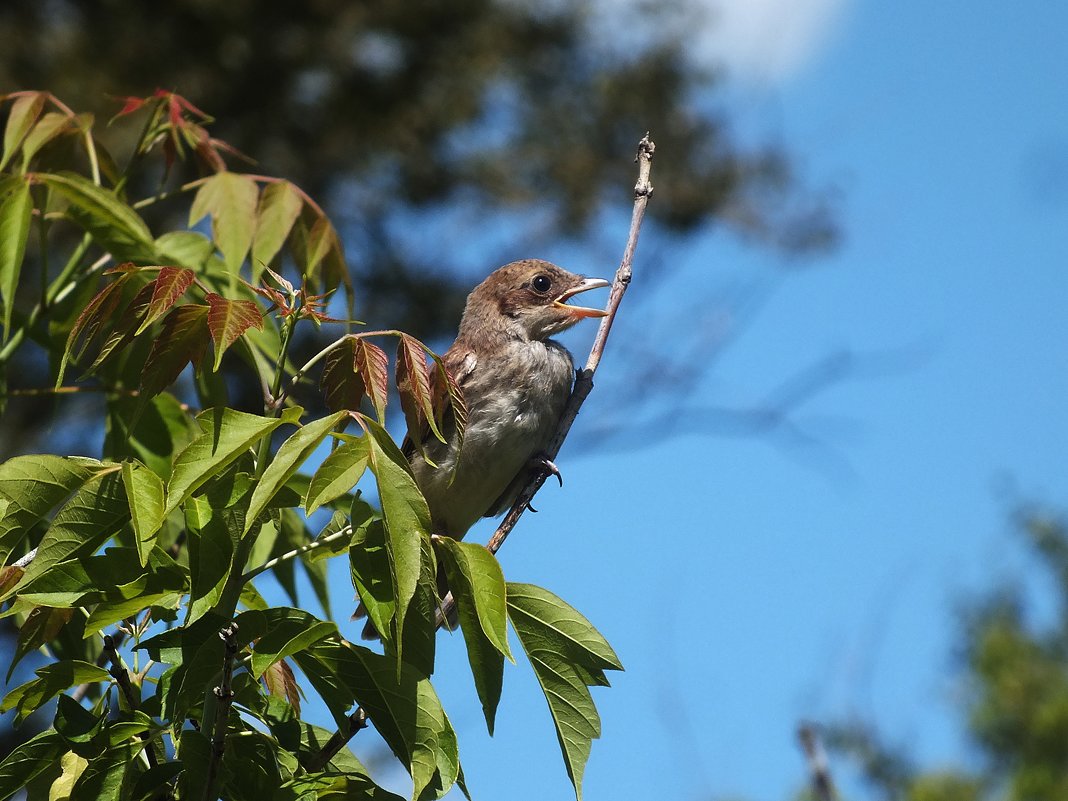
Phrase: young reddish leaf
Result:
[413,385]
[15,214]
[123,330]
[269,293]
[373,367]
[341,383]
[100,308]
[198,138]
[229,319]
[281,683]
[230,199]
[449,397]
[170,284]
[130,105]
[179,100]
[24,113]
[280,205]
[182,340]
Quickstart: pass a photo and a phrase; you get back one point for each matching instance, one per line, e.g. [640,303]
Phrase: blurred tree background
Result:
[443,139]
[447,138]
[1014,669]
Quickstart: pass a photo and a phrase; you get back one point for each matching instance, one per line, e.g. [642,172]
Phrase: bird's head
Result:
[528,298]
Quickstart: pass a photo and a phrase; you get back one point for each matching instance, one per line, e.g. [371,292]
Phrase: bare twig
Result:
[584,377]
[819,770]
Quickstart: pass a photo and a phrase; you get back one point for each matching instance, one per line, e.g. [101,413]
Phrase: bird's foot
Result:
[542,462]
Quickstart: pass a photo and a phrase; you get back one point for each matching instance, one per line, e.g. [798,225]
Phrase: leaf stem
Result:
[315,544]
[272,405]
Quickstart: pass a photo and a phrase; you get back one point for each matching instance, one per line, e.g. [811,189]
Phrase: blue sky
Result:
[769,587]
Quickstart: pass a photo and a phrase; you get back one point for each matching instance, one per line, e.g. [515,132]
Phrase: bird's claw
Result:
[545,463]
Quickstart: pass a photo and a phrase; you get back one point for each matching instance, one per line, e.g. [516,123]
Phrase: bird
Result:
[515,381]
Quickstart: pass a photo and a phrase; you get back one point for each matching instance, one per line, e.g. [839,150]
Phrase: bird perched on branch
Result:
[515,381]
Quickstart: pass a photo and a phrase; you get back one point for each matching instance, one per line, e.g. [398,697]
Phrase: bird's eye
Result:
[541,283]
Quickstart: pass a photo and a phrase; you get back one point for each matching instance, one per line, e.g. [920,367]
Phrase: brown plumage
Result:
[515,380]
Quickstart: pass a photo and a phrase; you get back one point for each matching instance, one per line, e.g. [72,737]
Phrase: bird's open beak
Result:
[581,311]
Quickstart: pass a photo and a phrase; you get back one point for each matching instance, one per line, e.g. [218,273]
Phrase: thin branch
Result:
[303,549]
[819,770]
[224,696]
[356,721]
[584,378]
[583,385]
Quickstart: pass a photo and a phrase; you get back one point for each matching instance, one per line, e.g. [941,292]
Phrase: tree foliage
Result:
[137,570]
[410,120]
[1016,713]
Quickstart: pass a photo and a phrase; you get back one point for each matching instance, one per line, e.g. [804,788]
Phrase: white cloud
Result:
[767,41]
[759,41]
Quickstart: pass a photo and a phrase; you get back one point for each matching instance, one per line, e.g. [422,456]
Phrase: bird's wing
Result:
[460,362]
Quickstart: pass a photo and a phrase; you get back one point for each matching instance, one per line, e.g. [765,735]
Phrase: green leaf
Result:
[339,473]
[15,214]
[403,707]
[91,516]
[286,631]
[568,655]
[74,722]
[150,783]
[24,113]
[31,486]
[371,576]
[47,128]
[197,653]
[478,588]
[194,750]
[280,205]
[71,768]
[183,340]
[102,779]
[170,284]
[214,523]
[418,636]
[229,319]
[51,680]
[405,515]
[28,761]
[42,625]
[289,457]
[226,435]
[186,248]
[164,428]
[109,221]
[144,491]
[230,199]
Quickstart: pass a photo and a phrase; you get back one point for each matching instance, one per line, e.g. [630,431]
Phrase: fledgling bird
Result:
[515,381]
